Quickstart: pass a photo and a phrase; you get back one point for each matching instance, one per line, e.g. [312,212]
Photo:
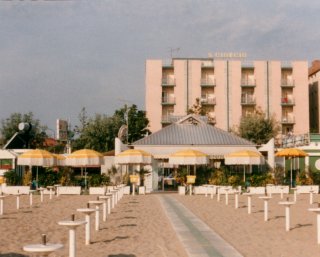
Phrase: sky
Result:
[57,57]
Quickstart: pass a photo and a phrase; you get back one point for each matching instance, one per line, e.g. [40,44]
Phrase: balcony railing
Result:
[248,100]
[287,83]
[168,82]
[166,119]
[285,101]
[168,100]
[208,82]
[245,82]
[208,100]
[288,120]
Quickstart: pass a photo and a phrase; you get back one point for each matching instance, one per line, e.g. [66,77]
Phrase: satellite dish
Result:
[24,126]
[122,133]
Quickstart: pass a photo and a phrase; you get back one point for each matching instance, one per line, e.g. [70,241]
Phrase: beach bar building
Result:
[191,132]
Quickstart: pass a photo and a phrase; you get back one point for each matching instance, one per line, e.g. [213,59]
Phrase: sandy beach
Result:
[138,226]
[250,234]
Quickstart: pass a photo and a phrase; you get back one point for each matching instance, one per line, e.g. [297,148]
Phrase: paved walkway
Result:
[197,238]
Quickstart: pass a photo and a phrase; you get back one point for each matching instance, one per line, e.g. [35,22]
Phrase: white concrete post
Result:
[236,200]
[227,197]
[288,218]
[72,242]
[218,195]
[109,205]
[1,206]
[311,197]
[97,218]
[18,201]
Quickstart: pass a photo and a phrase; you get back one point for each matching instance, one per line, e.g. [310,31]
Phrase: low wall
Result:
[13,190]
[231,190]
[69,190]
[307,189]
[126,190]
[97,190]
[277,189]
[257,190]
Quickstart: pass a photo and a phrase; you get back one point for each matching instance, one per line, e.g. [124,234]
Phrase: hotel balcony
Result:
[248,99]
[287,83]
[288,119]
[168,82]
[168,100]
[208,82]
[205,100]
[287,101]
[248,82]
[166,119]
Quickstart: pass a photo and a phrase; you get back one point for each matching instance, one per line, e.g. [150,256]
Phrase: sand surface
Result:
[250,234]
[138,226]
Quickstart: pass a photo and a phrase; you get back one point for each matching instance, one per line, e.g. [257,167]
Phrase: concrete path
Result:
[197,238]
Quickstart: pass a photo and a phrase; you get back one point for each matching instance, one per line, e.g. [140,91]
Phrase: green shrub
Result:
[12,178]
[96,180]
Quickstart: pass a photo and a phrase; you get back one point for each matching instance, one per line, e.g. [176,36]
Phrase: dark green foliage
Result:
[48,178]
[315,177]
[203,175]
[96,180]
[9,127]
[99,132]
[12,178]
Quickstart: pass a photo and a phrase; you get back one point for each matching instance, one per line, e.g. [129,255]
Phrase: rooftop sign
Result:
[230,55]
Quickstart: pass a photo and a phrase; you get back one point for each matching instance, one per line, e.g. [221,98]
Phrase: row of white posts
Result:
[266,198]
[41,190]
[108,201]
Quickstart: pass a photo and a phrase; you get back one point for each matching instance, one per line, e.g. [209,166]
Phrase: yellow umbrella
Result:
[36,157]
[189,157]
[245,157]
[133,156]
[291,153]
[60,159]
[84,158]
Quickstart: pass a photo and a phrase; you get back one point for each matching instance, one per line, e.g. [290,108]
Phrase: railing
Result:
[168,100]
[208,82]
[207,64]
[208,100]
[287,120]
[248,82]
[290,140]
[287,101]
[168,81]
[248,99]
[167,63]
[287,83]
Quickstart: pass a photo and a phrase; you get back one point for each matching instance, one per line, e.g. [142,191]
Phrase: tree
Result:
[197,108]
[94,135]
[99,132]
[10,125]
[258,128]
[136,119]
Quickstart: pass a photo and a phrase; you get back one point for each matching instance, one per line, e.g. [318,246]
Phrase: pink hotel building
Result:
[228,89]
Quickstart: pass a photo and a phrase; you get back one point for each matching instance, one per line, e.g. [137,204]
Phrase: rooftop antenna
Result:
[172,50]
[126,117]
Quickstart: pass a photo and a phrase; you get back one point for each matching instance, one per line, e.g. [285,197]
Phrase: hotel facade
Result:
[227,90]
